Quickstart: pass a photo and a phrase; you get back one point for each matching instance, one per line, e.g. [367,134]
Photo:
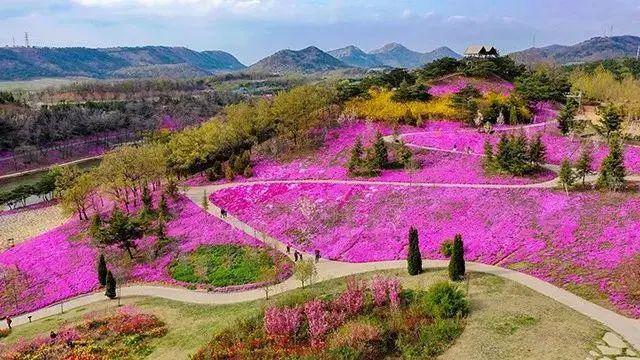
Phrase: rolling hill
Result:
[594,49]
[21,63]
[307,60]
[354,56]
[396,55]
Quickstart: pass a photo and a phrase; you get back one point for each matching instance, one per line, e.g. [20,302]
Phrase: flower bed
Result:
[61,263]
[577,239]
[125,334]
[363,322]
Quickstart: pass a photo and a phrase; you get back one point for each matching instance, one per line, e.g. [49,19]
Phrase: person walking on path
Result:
[9,321]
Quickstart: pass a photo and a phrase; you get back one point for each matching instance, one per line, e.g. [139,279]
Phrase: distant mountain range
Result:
[307,60]
[312,59]
[594,49]
[390,55]
[19,63]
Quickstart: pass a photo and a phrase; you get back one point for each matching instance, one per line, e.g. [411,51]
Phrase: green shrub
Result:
[446,300]
[446,248]
[432,340]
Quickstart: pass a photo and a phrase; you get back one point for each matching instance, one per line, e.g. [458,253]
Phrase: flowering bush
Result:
[349,324]
[97,337]
[282,323]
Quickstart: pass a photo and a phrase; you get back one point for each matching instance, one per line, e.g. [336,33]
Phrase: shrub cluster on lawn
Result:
[123,335]
[363,322]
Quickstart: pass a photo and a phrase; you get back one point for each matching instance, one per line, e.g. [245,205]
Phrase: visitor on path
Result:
[295,255]
[223,212]
[317,255]
[288,249]
[9,321]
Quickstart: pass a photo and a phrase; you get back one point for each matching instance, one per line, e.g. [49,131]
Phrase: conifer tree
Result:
[110,290]
[380,154]
[355,161]
[583,166]
[414,258]
[566,176]
[102,270]
[612,171]
[537,151]
[456,263]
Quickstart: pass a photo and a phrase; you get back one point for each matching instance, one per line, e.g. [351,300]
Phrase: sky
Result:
[252,29]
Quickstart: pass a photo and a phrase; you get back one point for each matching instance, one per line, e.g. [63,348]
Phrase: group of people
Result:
[297,256]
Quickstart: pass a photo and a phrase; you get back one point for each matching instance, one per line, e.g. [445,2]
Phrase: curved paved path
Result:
[328,269]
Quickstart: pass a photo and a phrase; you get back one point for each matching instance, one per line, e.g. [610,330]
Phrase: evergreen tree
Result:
[110,290]
[122,230]
[355,161]
[612,171]
[404,155]
[610,119]
[205,201]
[566,176]
[583,166]
[414,259]
[102,270]
[456,263]
[537,151]
[566,116]
[381,156]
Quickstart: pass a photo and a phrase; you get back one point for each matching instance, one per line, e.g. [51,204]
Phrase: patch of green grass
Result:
[510,324]
[221,265]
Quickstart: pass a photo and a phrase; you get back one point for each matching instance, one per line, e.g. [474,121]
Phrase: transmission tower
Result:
[13,41]
[638,53]
[26,39]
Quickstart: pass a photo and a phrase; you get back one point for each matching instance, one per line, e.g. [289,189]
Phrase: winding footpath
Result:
[327,269]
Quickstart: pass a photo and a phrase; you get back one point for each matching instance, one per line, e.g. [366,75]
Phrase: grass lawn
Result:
[507,321]
[221,265]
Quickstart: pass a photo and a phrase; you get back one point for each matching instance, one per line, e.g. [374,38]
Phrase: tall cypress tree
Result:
[102,270]
[110,290]
[456,263]
[414,259]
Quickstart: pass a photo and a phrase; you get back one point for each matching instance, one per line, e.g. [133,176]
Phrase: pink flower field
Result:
[454,84]
[558,147]
[579,239]
[61,263]
[329,161]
